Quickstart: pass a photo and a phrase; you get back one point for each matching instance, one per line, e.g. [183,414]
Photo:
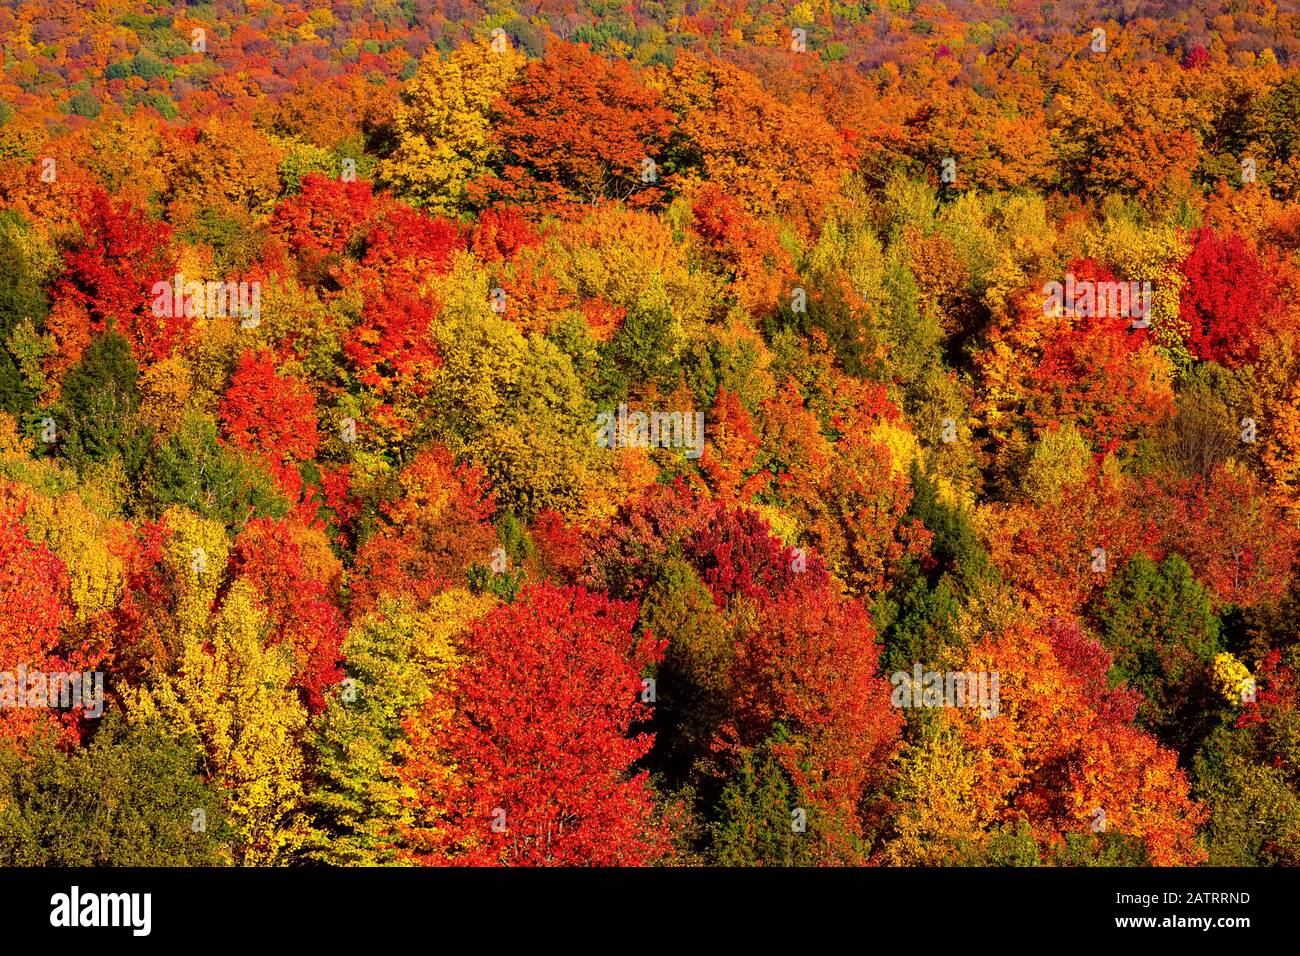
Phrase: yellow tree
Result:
[195,559]
[165,390]
[83,541]
[933,789]
[1060,457]
[225,164]
[231,695]
[1150,254]
[444,125]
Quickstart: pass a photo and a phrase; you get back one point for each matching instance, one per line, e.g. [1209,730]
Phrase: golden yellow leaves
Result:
[1232,678]
[444,125]
[230,695]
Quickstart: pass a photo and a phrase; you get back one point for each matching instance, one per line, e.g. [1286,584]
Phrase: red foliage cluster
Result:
[544,740]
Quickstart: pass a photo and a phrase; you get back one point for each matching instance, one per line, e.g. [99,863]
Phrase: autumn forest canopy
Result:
[654,433]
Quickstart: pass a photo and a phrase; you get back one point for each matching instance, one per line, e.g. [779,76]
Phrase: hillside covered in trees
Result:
[579,433]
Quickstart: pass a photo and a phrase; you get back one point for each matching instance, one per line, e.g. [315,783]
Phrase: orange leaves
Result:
[792,441]
[770,157]
[1060,553]
[224,164]
[533,295]
[69,325]
[1058,751]
[747,250]
[855,514]
[577,128]
[500,233]
[437,528]
[993,145]
[603,318]
[903,434]
[1106,127]
[1237,540]
[729,458]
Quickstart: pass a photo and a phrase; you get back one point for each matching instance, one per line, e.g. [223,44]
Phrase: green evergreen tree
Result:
[357,802]
[917,617]
[98,405]
[192,468]
[757,823]
[1159,623]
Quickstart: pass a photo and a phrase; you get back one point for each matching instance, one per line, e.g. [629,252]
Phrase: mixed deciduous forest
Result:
[352,354]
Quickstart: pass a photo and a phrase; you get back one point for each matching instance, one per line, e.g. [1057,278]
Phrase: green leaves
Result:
[1160,624]
[191,468]
[132,797]
[99,402]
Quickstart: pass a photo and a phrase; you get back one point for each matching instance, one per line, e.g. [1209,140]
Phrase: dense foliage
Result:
[556,434]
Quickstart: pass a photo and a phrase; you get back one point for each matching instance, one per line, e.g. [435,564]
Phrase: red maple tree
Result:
[543,740]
